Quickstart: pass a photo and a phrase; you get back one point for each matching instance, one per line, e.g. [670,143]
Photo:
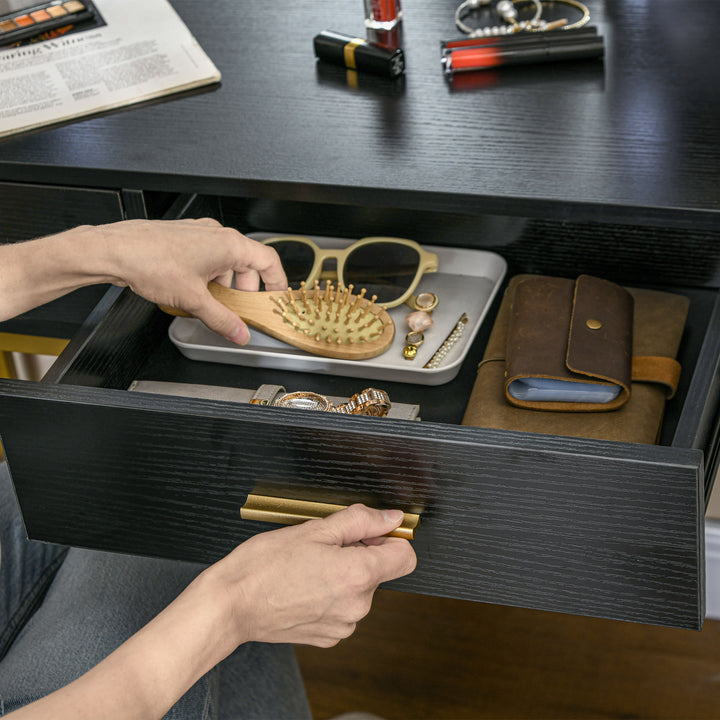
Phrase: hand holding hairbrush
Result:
[332,322]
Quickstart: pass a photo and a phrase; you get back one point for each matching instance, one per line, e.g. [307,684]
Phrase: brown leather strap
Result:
[656,369]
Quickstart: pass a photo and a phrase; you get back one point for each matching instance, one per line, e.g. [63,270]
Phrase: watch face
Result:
[304,401]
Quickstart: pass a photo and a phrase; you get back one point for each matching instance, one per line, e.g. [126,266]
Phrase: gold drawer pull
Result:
[285,511]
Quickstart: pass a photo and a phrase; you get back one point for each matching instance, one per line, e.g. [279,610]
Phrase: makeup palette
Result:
[30,21]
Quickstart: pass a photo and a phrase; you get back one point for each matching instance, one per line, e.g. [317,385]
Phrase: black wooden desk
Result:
[610,168]
[636,138]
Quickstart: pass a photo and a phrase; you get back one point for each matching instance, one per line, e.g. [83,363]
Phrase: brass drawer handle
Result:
[285,511]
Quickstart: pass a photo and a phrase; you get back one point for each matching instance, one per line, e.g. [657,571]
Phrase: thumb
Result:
[359,522]
[221,319]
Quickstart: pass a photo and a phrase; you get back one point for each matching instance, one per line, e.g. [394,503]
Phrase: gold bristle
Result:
[368,308]
[294,305]
[303,293]
[350,288]
[316,292]
[317,337]
[358,302]
[328,286]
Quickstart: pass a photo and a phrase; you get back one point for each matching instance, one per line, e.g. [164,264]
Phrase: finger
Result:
[221,319]
[265,261]
[359,522]
[210,222]
[391,560]
[224,278]
[249,280]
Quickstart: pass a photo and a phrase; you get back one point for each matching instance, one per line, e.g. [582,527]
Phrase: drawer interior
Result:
[644,256]
[443,403]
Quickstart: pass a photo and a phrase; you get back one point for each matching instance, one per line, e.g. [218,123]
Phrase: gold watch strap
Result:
[370,401]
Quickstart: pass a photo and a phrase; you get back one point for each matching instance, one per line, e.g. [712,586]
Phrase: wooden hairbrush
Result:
[332,322]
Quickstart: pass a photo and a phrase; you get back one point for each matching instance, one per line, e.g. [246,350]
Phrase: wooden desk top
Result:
[635,138]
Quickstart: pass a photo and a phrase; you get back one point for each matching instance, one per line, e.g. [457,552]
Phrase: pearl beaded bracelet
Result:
[508,11]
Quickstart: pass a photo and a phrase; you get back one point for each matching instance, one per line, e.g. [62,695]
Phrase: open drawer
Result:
[571,525]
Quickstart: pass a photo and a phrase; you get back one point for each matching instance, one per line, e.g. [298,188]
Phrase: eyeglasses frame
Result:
[427,263]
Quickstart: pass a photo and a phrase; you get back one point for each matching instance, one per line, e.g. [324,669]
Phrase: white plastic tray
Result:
[466,282]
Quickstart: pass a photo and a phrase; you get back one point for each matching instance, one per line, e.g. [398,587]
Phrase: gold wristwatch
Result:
[371,401]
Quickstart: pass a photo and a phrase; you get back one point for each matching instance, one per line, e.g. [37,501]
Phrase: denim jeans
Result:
[62,610]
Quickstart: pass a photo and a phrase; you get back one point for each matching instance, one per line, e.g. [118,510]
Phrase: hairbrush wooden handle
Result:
[330,322]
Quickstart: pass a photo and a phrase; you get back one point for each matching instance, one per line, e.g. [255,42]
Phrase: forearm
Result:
[33,273]
[149,673]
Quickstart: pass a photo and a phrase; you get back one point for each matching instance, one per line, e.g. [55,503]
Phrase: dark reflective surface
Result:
[635,135]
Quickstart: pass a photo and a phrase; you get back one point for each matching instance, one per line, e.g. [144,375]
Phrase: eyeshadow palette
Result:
[21,22]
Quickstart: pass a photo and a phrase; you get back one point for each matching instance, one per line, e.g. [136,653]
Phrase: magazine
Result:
[135,50]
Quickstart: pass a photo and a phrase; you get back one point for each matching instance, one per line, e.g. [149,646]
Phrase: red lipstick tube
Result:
[382,14]
[485,57]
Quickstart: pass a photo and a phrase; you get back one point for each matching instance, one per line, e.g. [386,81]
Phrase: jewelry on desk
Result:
[576,4]
[507,10]
[448,344]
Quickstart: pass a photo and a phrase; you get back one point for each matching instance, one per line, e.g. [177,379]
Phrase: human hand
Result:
[171,262]
[311,583]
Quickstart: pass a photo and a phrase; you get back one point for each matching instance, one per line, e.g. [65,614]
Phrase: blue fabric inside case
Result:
[551,390]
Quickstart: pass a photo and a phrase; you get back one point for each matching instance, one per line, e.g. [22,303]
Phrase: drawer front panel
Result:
[584,527]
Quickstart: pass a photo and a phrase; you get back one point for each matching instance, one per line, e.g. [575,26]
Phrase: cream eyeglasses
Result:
[388,267]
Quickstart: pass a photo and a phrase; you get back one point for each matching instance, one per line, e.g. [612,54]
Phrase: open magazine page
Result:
[143,51]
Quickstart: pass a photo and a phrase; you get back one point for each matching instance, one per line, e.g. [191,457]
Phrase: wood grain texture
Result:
[577,526]
[634,138]
[433,659]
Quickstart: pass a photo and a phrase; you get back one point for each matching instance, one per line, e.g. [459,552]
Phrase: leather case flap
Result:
[600,341]
[577,331]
